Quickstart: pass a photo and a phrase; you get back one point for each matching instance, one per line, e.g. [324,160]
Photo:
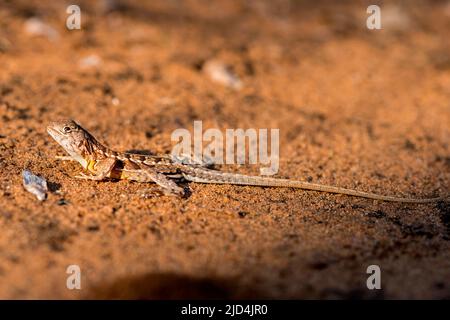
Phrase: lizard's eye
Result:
[67,129]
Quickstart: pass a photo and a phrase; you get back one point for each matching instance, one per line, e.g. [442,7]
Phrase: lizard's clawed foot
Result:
[151,192]
[158,191]
[83,176]
[64,158]
[174,192]
[178,192]
[86,177]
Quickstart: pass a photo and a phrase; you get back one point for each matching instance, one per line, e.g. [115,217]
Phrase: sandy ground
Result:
[356,108]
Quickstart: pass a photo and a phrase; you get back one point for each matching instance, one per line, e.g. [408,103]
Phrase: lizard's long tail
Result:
[202,175]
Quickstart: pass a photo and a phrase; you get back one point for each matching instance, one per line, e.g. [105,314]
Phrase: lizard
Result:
[102,163]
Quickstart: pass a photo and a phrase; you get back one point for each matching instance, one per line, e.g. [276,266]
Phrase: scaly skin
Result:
[103,163]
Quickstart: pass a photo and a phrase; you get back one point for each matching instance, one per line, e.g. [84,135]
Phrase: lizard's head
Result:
[74,139]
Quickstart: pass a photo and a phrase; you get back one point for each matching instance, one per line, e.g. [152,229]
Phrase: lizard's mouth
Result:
[56,135]
[53,132]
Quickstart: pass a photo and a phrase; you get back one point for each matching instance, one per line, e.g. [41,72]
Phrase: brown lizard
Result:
[103,163]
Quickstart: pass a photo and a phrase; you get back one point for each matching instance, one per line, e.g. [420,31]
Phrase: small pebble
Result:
[35,185]
[242,214]
[221,73]
[90,61]
[62,202]
[115,101]
[35,26]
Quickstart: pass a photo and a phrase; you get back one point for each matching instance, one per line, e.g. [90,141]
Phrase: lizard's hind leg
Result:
[147,174]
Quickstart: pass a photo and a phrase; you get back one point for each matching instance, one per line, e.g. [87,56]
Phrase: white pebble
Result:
[35,185]
[36,27]
[221,73]
[90,61]
[115,101]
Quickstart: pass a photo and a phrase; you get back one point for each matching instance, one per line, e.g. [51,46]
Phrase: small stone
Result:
[221,73]
[37,27]
[93,226]
[62,202]
[115,101]
[35,185]
[242,214]
[90,61]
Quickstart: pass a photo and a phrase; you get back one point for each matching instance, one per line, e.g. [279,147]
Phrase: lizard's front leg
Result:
[65,158]
[101,170]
